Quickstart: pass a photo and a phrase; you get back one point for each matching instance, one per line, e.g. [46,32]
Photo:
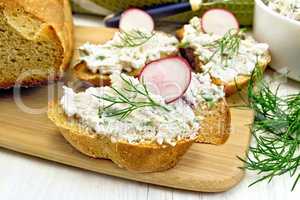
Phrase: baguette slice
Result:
[35,41]
[83,73]
[215,124]
[231,87]
[142,157]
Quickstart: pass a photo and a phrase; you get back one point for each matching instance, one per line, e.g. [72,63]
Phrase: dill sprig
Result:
[133,38]
[127,97]
[227,46]
[276,130]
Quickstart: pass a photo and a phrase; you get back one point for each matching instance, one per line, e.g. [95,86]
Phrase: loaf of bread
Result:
[36,41]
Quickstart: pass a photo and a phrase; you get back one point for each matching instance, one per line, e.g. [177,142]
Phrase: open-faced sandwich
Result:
[215,45]
[135,45]
[144,124]
[128,52]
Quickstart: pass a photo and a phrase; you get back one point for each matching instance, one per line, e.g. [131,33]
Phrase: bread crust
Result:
[82,72]
[142,157]
[58,14]
[29,82]
[56,17]
[231,87]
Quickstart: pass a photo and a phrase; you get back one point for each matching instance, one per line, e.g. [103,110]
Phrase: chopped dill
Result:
[227,46]
[183,44]
[131,103]
[100,57]
[133,38]
[83,52]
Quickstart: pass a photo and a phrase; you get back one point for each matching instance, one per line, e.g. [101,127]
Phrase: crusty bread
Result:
[143,157]
[230,87]
[35,41]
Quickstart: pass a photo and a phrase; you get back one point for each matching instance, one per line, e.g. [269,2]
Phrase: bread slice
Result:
[230,87]
[35,41]
[215,123]
[143,157]
[82,72]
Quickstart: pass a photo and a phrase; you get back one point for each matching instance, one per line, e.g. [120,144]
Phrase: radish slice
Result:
[168,77]
[134,18]
[218,21]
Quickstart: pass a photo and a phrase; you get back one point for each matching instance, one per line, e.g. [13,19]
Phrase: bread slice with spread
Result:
[137,129]
[128,52]
[229,59]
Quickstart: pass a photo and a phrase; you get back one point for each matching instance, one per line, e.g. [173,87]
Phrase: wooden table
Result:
[24,177]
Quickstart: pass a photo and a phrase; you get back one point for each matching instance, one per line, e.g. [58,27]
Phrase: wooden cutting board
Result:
[206,168]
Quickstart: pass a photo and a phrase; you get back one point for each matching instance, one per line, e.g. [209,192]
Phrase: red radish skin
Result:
[169,77]
[219,21]
[135,18]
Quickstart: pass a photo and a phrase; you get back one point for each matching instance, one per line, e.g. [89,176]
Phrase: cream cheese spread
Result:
[128,51]
[147,124]
[242,63]
[288,8]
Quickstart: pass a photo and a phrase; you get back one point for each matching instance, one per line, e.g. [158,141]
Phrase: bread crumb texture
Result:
[31,53]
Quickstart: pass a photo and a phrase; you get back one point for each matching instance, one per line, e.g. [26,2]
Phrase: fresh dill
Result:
[183,44]
[227,46]
[83,53]
[100,57]
[127,97]
[133,38]
[276,130]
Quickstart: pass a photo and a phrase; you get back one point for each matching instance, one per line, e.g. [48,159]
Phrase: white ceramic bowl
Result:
[283,36]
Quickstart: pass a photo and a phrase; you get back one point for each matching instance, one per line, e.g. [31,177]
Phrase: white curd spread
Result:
[242,63]
[147,124]
[288,8]
[128,51]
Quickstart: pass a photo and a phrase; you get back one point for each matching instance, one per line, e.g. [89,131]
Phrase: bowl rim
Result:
[266,8]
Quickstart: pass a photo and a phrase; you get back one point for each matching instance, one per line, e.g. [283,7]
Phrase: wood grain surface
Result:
[204,168]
